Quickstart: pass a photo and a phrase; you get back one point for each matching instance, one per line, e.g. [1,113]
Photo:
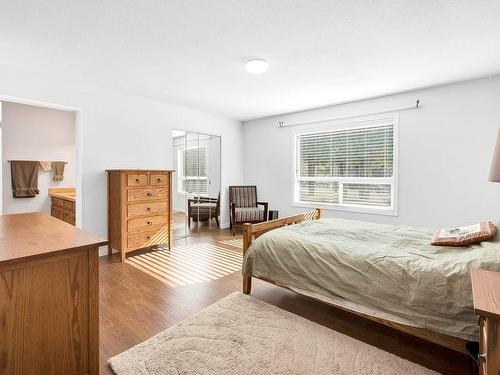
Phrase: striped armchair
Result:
[244,207]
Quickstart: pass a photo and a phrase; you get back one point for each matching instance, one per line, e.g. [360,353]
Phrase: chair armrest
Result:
[266,205]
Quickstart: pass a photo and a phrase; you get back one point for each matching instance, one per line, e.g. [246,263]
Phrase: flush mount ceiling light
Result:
[256,66]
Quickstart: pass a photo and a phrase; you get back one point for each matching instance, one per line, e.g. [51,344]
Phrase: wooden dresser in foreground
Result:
[49,297]
[486,294]
[139,209]
[63,204]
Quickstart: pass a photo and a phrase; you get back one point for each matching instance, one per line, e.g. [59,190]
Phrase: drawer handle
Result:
[149,223]
[148,209]
[148,237]
[137,180]
[149,194]
[159,179]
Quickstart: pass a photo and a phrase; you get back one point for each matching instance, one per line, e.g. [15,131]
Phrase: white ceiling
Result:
[190,52]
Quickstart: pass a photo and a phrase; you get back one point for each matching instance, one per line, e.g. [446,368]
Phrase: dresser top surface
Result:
[68,194]
[36,234]
[486,292]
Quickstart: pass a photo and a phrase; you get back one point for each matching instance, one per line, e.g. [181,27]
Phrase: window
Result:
[350,167]
[193,166]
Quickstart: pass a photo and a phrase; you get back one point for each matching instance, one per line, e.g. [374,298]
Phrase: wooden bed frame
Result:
[253,231]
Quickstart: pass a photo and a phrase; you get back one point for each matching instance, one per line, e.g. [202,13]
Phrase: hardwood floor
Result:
[135,304]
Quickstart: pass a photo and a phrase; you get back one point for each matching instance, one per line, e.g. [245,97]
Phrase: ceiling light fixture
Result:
[256,66]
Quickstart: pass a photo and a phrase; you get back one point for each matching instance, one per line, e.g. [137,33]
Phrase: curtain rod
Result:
[417,105]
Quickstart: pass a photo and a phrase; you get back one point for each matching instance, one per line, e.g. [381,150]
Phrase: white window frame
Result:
[352,123]
[180,164]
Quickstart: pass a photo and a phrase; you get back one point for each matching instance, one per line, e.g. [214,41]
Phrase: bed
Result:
[386,273]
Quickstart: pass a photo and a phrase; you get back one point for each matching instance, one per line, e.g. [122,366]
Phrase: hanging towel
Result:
[24,178]
[44,165]
[58,168]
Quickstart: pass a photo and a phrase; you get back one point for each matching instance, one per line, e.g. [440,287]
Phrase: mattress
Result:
[389,271]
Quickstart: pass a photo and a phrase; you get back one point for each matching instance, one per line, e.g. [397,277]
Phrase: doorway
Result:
[197,183]
[42,133]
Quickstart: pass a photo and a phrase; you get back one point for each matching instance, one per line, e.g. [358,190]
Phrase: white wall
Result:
[445,150]
[124,131]
[35,133]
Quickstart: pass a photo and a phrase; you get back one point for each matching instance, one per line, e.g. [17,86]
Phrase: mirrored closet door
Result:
[197,183]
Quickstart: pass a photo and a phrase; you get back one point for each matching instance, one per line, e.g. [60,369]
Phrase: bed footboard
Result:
[253,231]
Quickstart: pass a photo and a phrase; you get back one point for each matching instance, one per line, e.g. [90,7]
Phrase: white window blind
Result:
[193,171]
[351,167]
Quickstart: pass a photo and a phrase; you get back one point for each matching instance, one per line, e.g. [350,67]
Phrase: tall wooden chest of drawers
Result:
[139,209]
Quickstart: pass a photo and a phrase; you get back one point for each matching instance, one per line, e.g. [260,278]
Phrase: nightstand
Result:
[486,295]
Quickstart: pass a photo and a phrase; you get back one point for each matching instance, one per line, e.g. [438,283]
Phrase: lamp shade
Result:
[495,164]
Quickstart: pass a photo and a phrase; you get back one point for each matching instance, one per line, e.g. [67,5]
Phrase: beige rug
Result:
[243,335]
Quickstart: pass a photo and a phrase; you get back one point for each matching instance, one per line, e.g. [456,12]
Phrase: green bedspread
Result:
[390,270]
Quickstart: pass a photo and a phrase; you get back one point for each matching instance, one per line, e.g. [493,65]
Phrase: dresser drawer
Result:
[62,214]
[151,208]
[143,223]
[57,202]
[63,203]
[56,212]
[140,240]
[134,195]
[137,180]
[158,179]
[69,205]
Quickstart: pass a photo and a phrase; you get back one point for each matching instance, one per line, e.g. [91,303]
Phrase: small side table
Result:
[486,295]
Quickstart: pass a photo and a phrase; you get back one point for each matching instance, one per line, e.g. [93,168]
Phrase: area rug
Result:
[243,335]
